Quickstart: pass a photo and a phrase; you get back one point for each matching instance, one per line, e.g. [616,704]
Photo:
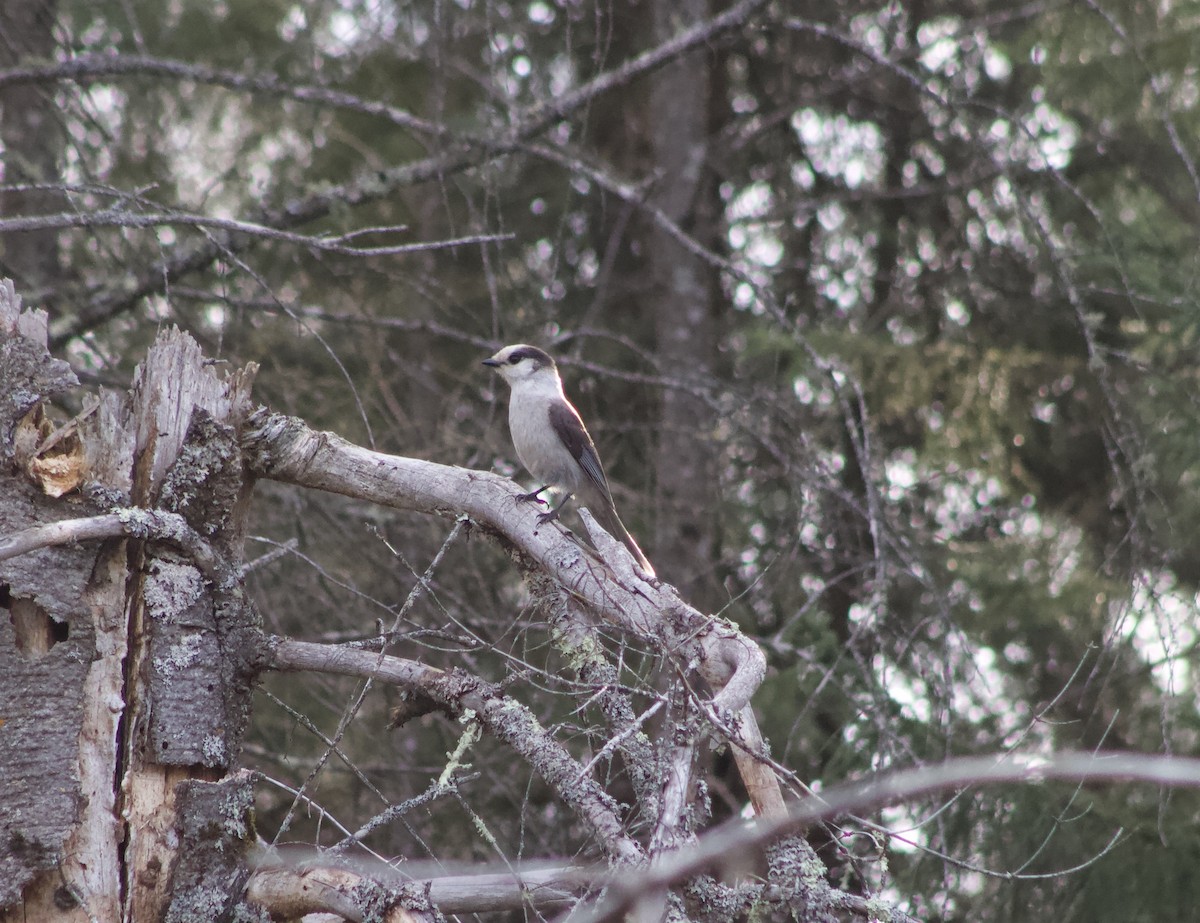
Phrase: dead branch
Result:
[469,698]
[122,218]
[153,525]
[286,449]
[287,891]
[736,838]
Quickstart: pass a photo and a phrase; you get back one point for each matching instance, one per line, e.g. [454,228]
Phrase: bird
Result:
[552,442]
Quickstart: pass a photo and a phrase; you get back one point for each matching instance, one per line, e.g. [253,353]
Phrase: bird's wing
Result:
[570,429]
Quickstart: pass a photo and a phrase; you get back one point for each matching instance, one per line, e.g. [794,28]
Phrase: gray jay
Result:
[553,443]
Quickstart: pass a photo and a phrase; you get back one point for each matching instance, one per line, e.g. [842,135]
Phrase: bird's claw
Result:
[544,518]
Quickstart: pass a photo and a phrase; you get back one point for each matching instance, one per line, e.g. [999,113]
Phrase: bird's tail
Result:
[606,515]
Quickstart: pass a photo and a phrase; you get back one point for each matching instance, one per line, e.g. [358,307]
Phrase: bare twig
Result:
[63,532]
[121,218]
[418,590]
[437,789]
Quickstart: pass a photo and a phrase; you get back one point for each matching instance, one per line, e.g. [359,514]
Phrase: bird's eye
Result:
[514,360]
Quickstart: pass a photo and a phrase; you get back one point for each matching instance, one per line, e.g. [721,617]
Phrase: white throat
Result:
[544,383]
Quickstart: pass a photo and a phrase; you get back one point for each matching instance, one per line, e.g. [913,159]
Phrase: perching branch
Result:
[285,449]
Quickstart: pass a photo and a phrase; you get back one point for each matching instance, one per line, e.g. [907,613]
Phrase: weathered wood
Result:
[27,373]
[188,711]
[182,729]
[168,387]
[92,852]
[107,702]
[43,665]
[289,894]
[215,829]
[205,640]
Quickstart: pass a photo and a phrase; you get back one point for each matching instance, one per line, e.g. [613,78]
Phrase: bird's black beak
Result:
[491,362]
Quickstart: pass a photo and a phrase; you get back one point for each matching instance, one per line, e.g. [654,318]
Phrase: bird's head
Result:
[520,364]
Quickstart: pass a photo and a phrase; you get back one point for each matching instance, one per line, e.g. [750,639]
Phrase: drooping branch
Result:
[737,839]
[679,44]
[98,66]
[92,67]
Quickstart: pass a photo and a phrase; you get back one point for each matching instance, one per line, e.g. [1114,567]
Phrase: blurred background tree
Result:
[883,317]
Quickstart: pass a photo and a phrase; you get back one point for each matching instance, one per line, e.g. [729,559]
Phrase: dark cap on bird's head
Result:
[511,355]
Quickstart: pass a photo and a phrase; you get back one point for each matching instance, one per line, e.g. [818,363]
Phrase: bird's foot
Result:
[533,495]
[551,516]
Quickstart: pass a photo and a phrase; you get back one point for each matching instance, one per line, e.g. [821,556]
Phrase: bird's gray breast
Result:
[539,447]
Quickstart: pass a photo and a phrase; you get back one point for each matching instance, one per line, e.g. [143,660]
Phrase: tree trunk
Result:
[684,290]
[124,668]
